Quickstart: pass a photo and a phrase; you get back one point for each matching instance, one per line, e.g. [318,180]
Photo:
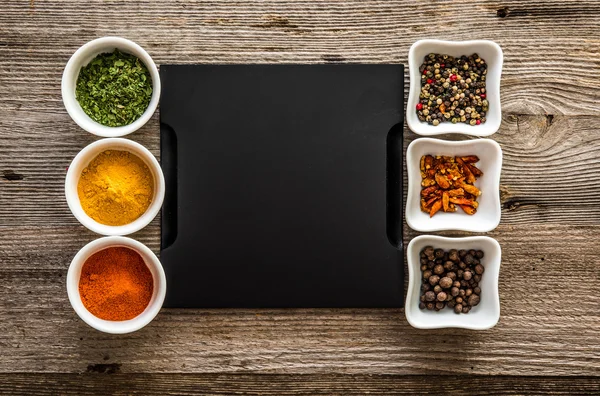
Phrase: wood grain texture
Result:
[550,277]
[285,385]
[545,327]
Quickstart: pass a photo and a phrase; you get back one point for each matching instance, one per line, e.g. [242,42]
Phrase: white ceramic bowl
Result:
[488,213]
[483,316]
[489,51]
[90,152]
[82,57]
[125,326]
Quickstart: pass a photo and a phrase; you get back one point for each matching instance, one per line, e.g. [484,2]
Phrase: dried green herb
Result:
[114,89]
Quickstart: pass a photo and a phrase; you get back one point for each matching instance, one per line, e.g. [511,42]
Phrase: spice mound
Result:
[448,182]
[115,284]
[450,279]
[115,188]
[453,89]
[114,89]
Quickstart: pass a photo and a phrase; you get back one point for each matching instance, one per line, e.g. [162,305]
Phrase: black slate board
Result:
[277,193]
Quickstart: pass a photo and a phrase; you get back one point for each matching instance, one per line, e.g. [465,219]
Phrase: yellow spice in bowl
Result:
[115,188]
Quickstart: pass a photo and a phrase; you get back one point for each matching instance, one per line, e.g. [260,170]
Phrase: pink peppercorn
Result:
[419,106]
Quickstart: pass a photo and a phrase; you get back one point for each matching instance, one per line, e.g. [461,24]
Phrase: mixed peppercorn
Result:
[450,279]
[453,90]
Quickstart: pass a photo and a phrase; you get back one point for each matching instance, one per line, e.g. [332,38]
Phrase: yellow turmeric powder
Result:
[115,188]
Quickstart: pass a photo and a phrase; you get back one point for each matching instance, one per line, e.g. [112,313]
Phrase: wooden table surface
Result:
[550,190]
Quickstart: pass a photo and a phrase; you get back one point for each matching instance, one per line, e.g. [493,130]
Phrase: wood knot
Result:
[111,368]
[333,58]
[502,12]
[12,176]
[511,204]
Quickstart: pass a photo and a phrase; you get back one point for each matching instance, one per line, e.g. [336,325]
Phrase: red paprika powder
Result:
[115,284]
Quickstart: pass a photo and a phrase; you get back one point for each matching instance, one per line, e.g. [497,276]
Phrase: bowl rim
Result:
[413,269]
[151,261]
[81,160]
[415,125]
[72,71]
[413,186]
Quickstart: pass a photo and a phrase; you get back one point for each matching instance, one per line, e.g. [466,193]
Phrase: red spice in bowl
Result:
[115,284]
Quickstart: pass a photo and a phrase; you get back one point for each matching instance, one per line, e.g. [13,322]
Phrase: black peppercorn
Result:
[474,300]
[429,296]
[479,254]
[428,251]
[445,282]
[446,285]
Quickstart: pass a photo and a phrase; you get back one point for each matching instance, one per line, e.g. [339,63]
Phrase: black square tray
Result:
[284,185]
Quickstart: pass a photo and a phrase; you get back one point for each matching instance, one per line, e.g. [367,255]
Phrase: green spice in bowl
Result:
[111,87]
[114,89]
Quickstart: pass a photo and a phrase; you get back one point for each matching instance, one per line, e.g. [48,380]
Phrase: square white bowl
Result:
[487,50]
[483,316]
[488,212]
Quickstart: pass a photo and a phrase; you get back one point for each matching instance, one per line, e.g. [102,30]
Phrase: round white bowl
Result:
[125,326]
[483,316]
[90,152]
[82,57]
[488,50]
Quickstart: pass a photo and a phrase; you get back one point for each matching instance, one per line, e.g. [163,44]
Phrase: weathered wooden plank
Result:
[548,176]
[283,385]
[549,290]
[552,49]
